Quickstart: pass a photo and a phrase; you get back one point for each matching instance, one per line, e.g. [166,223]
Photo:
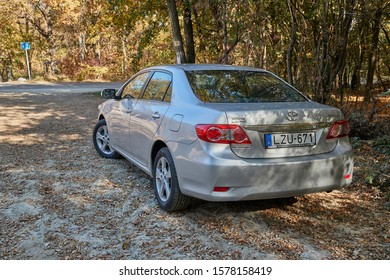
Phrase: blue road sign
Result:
[25,45]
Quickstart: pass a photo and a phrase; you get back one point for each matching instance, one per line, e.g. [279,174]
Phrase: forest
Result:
[335,51]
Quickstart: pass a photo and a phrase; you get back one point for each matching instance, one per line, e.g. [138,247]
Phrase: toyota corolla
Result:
[223,133]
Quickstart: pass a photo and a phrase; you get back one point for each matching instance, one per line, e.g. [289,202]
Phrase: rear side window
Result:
[157,86]
[238,86]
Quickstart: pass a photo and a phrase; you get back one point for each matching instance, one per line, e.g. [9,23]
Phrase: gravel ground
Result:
[60,200]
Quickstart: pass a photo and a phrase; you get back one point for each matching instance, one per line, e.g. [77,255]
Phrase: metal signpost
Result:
[26,46]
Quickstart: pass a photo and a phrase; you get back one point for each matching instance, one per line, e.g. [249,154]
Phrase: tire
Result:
[166,184]
[101,141]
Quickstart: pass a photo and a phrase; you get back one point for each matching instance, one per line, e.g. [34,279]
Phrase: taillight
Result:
[222,134]
[339,129]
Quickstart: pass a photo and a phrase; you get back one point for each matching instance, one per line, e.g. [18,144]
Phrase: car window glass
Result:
[134,88]
[167,97]
[236,86]
[157,86]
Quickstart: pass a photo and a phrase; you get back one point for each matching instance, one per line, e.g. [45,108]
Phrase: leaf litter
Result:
[60,200]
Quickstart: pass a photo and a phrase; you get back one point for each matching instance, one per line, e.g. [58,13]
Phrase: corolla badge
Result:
[292,116]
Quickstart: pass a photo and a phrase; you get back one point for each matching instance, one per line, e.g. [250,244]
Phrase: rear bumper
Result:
[252,179]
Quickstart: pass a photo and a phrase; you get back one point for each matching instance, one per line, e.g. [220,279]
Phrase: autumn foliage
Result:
[337,52]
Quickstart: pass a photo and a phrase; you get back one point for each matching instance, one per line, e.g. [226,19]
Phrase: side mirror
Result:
[108,93]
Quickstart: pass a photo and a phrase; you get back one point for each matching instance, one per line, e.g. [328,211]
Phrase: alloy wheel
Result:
[103,140]
[163,179]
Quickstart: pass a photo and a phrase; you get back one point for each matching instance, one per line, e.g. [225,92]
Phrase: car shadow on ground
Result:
[243,206]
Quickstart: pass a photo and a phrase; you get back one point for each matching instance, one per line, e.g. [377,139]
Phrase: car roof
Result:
[199,67]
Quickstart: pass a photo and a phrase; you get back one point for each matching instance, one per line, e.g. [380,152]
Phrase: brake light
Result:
[339,129]
[222,134]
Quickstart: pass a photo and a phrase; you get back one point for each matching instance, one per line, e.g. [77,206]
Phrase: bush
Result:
[363,128]
[379,172]
[382,145]
[91,72]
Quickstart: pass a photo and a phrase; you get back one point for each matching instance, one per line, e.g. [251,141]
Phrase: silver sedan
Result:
[223,133]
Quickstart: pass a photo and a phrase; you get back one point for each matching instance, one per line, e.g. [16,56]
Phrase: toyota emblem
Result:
[292,116]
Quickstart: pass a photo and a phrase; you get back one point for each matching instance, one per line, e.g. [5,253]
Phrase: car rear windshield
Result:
[238,86]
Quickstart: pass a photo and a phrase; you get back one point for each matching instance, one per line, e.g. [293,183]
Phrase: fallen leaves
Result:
[67,203]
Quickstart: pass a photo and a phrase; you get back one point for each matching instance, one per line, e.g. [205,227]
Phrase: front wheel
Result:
[101,141]
[166,184]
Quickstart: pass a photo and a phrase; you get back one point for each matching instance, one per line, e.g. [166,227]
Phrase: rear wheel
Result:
[166,184]
[101,141]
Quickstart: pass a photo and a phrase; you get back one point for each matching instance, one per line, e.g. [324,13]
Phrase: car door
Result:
[121,112]
[148,113]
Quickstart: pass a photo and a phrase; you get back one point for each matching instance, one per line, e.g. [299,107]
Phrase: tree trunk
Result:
[372,55]
[53,69]
[292,41]
[225,57]
[339,61]
[199,31]
[124,53]
[333,55]
[356,76]
[82,46]
[386,35]
[227,49]
[324,63]
[176,35]
[189,32]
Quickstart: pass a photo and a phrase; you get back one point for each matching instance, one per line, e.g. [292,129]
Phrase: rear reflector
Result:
[348,176]
[339,129]
[221,189]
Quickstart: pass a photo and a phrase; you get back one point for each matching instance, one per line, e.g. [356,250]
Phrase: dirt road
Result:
[60,200]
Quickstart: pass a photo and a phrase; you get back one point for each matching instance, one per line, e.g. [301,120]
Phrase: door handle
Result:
[156,116]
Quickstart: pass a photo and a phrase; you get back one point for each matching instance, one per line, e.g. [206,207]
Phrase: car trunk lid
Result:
[283,129]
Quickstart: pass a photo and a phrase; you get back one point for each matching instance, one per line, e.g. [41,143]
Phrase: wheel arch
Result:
[158,145]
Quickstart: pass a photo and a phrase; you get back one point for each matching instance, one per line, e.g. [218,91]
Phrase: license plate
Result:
[286,140]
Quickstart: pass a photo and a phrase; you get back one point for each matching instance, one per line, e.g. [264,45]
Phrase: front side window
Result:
[157,86]
[240,86]
[134,88]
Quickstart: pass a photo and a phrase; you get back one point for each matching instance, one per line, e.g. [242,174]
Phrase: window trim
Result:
[170,86]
